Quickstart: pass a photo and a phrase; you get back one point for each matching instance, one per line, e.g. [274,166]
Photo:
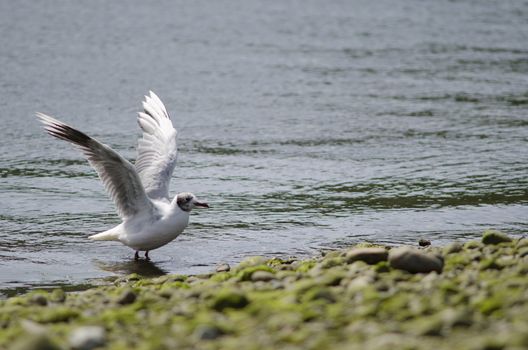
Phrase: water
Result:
[305,124]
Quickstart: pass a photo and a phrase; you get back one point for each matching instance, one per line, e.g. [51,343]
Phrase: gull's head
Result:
[188,201]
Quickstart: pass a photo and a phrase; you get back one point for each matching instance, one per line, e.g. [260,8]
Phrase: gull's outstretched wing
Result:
[157,151]
[118,175]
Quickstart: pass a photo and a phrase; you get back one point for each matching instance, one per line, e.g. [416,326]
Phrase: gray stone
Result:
[87,338]
[223,268]
[263,276]
[414,260]
[369,255]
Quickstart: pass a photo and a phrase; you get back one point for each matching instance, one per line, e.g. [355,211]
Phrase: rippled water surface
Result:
[305,125]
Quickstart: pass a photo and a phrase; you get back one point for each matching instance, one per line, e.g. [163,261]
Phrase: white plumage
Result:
[140,192]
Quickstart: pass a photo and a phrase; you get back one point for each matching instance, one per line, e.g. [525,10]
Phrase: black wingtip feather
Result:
[67,133]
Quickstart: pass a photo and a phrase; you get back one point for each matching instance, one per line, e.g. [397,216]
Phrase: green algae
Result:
[318,303]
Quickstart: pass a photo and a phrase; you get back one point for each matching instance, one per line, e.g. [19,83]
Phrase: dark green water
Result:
[305,124]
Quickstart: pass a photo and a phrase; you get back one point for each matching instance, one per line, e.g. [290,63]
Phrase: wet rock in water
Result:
[128,297]
[371,256]
[206,332]
[424,243]
[263,276]
[87,338]
[495,237]
[223,268]
[414,260]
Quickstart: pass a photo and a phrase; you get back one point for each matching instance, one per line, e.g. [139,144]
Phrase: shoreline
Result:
[465,295]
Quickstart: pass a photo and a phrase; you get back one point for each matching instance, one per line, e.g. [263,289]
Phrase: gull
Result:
[150,219]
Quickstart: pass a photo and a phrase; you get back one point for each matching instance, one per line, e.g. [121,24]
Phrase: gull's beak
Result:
[201,204]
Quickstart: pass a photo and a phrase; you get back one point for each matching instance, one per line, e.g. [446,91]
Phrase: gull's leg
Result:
[146,256]
[136,256]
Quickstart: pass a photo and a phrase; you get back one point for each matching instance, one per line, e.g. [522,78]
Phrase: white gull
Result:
[141,192]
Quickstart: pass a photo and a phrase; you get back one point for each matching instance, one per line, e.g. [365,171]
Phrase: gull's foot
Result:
[146,256]
[136,256]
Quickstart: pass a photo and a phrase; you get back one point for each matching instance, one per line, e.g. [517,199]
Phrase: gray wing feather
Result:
[157,150]
[118,175]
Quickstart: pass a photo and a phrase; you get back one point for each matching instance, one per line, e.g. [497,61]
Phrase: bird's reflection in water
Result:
[144,268]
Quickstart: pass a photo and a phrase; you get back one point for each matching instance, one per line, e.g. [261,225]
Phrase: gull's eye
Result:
[189,199]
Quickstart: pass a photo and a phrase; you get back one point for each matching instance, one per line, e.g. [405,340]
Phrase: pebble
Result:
[263,276]
[369,255]
[87,338]
[414,260]
[223,268]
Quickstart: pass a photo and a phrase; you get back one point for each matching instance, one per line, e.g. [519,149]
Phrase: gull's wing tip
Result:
[41,115]
[46,119]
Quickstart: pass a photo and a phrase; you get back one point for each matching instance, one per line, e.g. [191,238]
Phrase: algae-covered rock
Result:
[454,247]
[371,256]
[127,297]
[246,273]
[414,261]
[263,276]
[34,342]
[318,293]
[229,299]
[495,237]
[39,299]
[58,296]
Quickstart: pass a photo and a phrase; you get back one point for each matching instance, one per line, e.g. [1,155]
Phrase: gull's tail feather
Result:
[110,235]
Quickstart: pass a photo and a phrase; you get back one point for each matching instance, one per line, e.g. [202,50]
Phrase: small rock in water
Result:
[414,260]
[263,276]
[494,237]
[371,256]
[128,297]
[424,243]
[223,268]
[87,338]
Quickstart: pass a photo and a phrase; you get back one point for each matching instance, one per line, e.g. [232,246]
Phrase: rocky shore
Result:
[470,295]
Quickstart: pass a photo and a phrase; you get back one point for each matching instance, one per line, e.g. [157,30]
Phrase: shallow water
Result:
[305,125]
